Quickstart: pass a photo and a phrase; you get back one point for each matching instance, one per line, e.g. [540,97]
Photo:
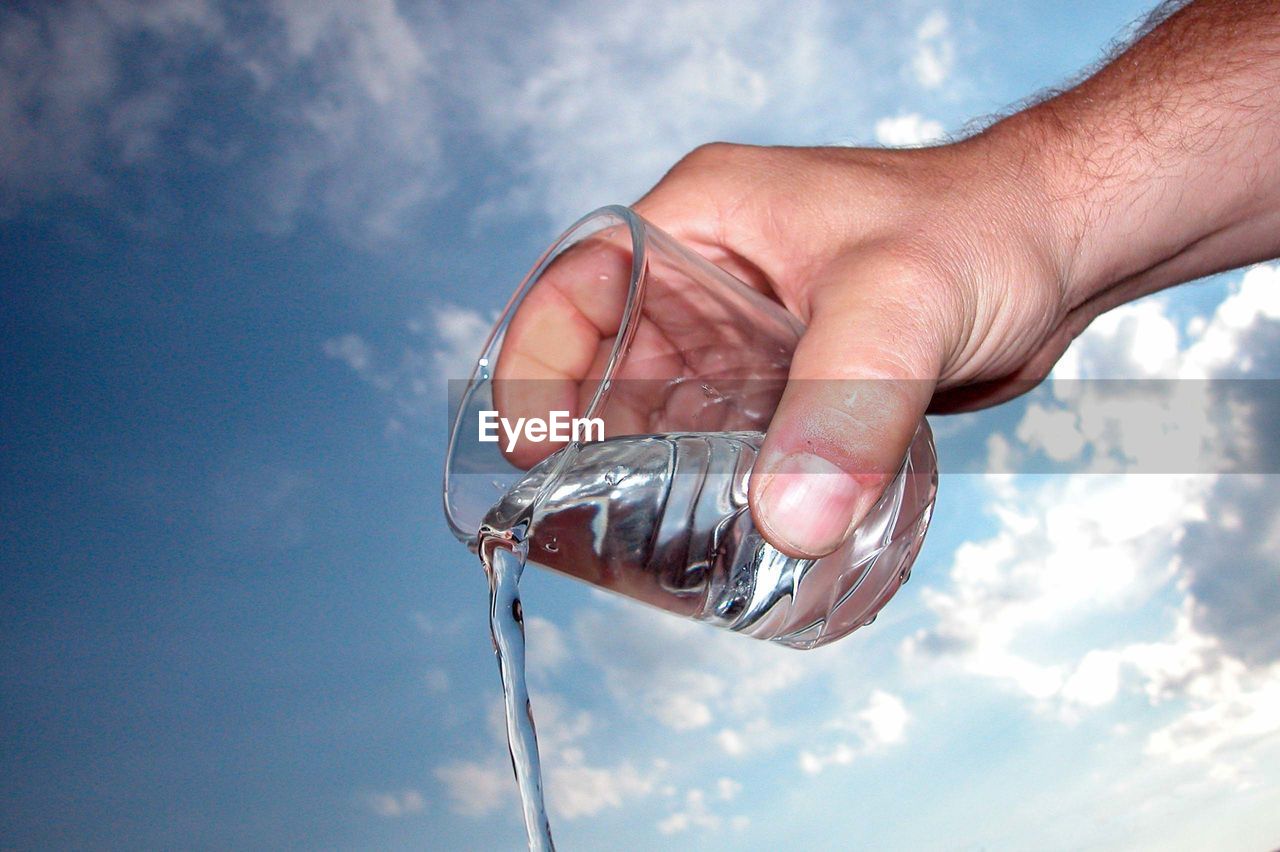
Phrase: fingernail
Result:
[808,504]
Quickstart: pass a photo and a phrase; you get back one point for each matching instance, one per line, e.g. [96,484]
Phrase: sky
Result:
[244,246]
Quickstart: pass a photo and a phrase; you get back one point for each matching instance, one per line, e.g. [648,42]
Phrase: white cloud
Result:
[602,113]
[1141,340]
[727,789]
[559,727]
[65,101]
[1132,394]
[878,725]
[352,350]
[1233,709]
[754,733]
[1104,548]
[686,708]
[461,333]
[1056,431]
[334,109]
[1241,338]
[934,50]
[1101,549]
[576,789]
[440,347]
[596,101]
[475,789]
[1065,548]
[717,677]
[1134,341]
[697,815]
[344,113]
[908,130]
[731,741]
[723,687]
[839,755]
[546,648]
[355,89]
[574,785]
[403,803]
[1096,680]
[436,680]
[884,720]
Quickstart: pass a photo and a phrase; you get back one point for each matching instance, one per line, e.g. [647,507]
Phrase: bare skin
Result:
[956,276]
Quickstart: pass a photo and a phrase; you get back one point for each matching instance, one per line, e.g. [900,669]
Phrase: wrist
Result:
[1144,197]
[1033,160]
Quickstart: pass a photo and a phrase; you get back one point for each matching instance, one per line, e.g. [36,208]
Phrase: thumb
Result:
[860,381]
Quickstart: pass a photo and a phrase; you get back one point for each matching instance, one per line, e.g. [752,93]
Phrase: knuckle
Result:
[712,155]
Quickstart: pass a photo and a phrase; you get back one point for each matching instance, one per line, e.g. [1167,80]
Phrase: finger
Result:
[860,382]
[558,341]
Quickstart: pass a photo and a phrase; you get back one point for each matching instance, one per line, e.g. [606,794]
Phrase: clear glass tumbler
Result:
[682,365]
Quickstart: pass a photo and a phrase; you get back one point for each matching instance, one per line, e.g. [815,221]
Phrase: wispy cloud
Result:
[476,789]
[934,50]
[577,789]
[878,725]
[460,333]
[70,115]
[608,96]
[907,130]
[701,811]
[547,650]
[396,804]
[716,678]
[438,347]
[323,109]
[357,112]
[577,785]
[1072,551]
[355,116]
[436,679]
[352,350]
[261,503]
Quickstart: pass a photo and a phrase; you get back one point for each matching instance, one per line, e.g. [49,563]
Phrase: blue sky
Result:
[244,246]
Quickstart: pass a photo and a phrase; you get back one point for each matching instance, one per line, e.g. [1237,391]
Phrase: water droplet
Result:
[551,545]
[615,475]
[867,623]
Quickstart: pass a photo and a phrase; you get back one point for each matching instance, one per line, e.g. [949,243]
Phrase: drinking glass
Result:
[619,322]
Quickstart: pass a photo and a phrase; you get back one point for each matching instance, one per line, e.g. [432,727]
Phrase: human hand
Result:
[915,271]
[932,271]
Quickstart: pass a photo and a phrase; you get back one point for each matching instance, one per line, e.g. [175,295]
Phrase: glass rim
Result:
[626,329]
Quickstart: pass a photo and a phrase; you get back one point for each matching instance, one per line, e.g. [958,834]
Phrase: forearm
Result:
[1165,165]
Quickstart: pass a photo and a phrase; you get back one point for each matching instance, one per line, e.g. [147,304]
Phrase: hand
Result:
[932,270]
